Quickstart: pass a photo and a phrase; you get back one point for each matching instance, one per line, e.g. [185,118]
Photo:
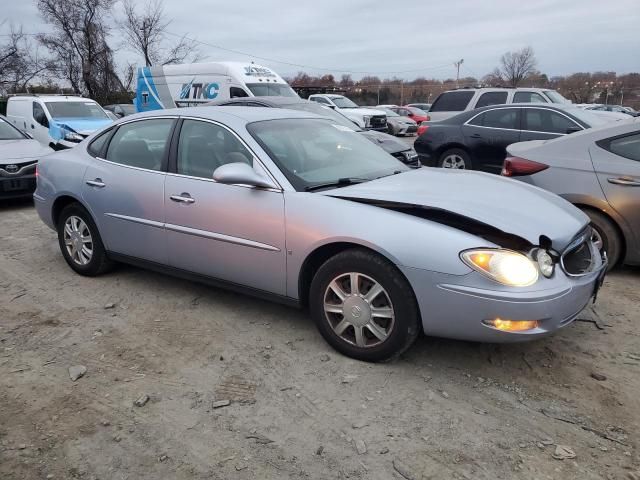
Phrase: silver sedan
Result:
[290,206]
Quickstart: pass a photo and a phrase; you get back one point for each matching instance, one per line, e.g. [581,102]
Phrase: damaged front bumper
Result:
[461,306]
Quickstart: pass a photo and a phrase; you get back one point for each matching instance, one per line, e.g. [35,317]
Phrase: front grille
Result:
[27,168]
[409,158]
[412,129]
[577,259]
[378,121]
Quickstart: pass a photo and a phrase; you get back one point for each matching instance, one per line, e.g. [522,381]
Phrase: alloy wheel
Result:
[454,161]
[78,240]
[359,310]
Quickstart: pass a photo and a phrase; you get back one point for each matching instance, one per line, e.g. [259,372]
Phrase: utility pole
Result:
[457,65]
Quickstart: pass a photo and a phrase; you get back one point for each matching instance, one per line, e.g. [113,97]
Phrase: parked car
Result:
[477,140]
[612,108]
[398,149]
[399,125]
[450,103]
[19,154]
[121,109]
[597,170]
[57,121]
[422,106]
[290,206]
[365,118]
[413,113]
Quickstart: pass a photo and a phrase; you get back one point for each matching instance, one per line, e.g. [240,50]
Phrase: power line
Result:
[300,65]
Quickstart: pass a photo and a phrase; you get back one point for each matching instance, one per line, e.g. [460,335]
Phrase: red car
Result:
[413,113]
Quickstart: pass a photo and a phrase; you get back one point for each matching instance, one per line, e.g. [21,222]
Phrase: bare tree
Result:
[516,66]
[79,44]
[146,33]
[20,62]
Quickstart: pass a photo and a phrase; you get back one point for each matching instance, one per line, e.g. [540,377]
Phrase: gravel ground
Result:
[184,381]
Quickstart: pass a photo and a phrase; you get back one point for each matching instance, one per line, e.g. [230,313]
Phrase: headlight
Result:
[367,120]
[504,266]
[73,136]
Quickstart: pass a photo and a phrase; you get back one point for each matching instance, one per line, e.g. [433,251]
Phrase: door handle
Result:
[476,135]
[96,183]
[626,181]
[183,198]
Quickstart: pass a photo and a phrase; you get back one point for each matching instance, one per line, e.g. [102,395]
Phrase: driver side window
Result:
[39,115]
[205,146]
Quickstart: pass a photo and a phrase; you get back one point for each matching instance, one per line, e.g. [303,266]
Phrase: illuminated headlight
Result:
[367,120]
[410,155]
[545,263]
[504,266]
[73,136]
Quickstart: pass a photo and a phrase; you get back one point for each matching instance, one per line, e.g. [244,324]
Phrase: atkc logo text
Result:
[196,91]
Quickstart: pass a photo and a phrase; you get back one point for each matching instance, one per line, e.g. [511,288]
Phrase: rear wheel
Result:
[363,306]
[80,242]
[455,158]
[607,235]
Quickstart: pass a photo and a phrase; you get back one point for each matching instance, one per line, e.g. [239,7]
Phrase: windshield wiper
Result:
[342,182]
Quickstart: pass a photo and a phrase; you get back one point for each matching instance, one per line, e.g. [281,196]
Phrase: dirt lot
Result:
[297,409]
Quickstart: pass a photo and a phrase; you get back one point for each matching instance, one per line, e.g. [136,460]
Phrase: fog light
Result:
[512,325]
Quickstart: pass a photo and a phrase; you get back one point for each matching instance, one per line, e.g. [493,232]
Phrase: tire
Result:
[397,326]
[608,232]
[455,156]
[92,264]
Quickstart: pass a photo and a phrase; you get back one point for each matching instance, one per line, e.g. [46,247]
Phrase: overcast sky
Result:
[421,38]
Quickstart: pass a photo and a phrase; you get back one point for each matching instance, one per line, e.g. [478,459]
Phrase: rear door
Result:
[617,163]
[488,134]
[125,189]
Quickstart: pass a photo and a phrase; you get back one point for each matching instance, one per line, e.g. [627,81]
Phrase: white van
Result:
[58,121]
[188,85]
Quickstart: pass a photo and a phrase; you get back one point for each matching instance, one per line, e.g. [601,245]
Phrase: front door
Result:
[617,163]
[489,134]
[228,232]
[126,189]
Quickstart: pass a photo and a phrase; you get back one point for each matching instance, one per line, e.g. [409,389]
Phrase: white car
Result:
[365,118]
[56,121]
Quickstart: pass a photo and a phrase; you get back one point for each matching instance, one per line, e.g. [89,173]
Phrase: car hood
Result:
[501,203]
[389,143]
[17,151]
[83,126]
[365,111]
[401,120]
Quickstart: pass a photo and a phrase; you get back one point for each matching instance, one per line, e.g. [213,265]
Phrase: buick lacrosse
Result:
[291,206]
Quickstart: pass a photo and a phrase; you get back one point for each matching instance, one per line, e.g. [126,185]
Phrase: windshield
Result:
[343,102]
[271,90]
[9,132]
[388,111]
[555,97]
[313,152]
[76,110]
[330,113]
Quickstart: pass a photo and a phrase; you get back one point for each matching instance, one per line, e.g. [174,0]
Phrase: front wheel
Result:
[363,306]
[455,158]
[606,236]
[80,242]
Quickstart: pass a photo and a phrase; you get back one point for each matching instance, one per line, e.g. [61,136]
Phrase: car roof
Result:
[246,114]
[267,100]
[52,98]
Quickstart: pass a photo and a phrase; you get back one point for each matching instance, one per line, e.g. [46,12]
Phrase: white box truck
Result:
[188,85]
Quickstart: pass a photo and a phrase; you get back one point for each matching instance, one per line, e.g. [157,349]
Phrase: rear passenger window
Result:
[141,144]
[506,118]
[528,97]
[548,121]
[205,146]
[492,98]
[627,147]
[452,101]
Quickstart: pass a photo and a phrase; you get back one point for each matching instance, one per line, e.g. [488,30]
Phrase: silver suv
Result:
[453,102]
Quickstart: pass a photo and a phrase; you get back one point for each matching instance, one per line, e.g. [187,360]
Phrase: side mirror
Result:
[242,174]
[573,129]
